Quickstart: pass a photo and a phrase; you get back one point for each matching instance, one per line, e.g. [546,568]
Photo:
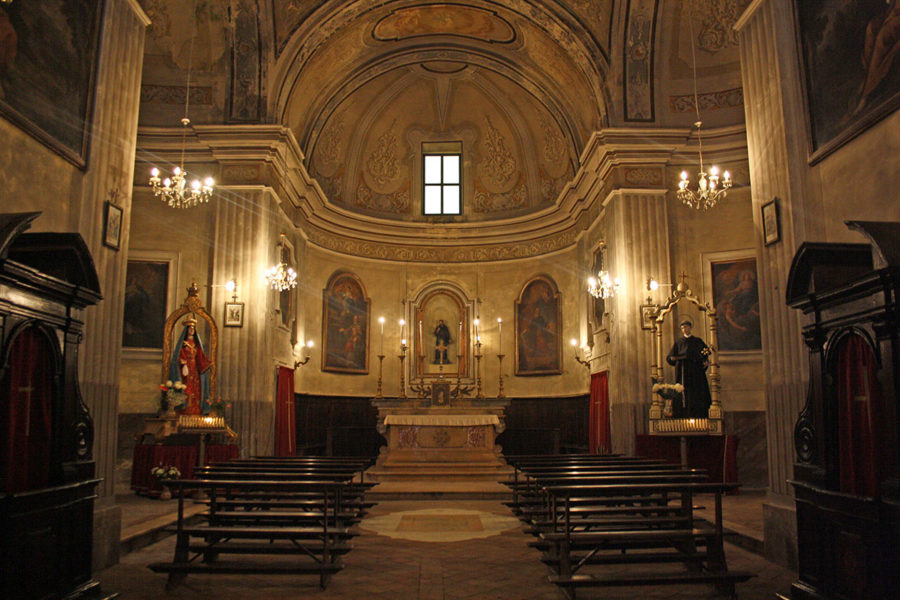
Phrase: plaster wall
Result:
[41,180]
[185,238]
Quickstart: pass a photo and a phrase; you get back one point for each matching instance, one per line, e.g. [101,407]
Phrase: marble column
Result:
[108,177]
[777,154]
[637,247]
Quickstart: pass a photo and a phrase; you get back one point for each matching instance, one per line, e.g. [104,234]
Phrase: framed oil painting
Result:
[147,290]
[770,222]
[732,277]
[47,70]
[851,66]
[345,325]
[538,328]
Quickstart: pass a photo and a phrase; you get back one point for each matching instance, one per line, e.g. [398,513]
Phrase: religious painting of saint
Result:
[48,54]
[146,291]
[345,325]
[852,66]
[538,328]
[736,298]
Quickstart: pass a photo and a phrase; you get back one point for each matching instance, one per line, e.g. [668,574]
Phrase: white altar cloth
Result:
[434,420]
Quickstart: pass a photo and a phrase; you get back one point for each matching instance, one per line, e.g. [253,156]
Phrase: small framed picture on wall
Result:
[112,225]
[770,222]
[234,314]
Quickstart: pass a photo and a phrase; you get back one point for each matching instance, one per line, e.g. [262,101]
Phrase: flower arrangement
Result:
[165,472]
[218,406]
[172,394]
[668,391]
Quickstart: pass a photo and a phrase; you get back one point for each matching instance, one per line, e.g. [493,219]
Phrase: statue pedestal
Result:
[440,442]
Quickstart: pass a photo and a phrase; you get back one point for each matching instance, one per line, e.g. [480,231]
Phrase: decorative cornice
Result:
[616,159]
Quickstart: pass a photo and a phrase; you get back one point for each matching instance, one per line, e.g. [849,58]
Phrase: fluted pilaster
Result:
[244,246]
[109,175]
[777,155]
[638,245]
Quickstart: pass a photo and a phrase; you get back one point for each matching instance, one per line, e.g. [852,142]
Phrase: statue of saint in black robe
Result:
[688,356]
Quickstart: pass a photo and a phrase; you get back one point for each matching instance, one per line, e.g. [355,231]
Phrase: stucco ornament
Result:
[498,165]
[382,163]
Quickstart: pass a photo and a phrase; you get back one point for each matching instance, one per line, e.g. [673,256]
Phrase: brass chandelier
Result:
[710,187]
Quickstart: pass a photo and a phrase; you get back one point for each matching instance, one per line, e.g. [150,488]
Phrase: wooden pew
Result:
[570,544]
[321,536]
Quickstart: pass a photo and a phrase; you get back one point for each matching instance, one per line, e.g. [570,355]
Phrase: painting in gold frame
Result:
[538,328]
[345,325]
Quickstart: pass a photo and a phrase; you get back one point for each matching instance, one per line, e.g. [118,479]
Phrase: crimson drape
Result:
[285,428]
[26,421]
[600,438]
[859,418]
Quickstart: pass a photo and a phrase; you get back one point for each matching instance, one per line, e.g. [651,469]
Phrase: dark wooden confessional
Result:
[846,438]
[47,482]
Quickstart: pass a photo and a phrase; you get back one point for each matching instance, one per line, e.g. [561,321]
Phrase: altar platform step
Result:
[490,471]
[436,489]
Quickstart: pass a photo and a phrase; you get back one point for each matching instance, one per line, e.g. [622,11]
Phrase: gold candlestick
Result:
[478,394]
[402,357]
[378,392]
[501,394]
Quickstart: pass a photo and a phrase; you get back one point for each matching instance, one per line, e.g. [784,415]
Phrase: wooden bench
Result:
[319,534]
[570,546]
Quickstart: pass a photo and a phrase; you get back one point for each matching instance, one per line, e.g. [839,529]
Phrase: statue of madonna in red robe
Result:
[191,366]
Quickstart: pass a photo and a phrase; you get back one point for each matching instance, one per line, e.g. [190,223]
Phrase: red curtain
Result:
[600,438]
[859,418]
[26,421]
[285,428]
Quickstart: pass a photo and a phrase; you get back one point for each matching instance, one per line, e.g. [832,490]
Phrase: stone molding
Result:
[615,159]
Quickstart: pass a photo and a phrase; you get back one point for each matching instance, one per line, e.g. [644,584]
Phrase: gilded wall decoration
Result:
[545,245]
[643,176]
[174,94]
[382,163]
[488,202]
[396,202]
[717,28]
[444,19]
[329,147]
[554,150]
[641,23]
[732,98]
[241,173]
[498,164]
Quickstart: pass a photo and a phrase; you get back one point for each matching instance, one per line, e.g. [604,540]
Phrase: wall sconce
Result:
[307,354]
[603,286]
[586,363]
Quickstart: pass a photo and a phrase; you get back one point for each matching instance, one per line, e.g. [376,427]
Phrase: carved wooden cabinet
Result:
[47,483]
[846,437]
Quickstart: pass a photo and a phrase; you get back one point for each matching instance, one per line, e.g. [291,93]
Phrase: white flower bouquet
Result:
[172,395]
[165,472]
[668,391]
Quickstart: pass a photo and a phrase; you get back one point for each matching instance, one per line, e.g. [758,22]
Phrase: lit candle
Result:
[500,334]
[403,332]
[381,320]
[459,338]
[421,340]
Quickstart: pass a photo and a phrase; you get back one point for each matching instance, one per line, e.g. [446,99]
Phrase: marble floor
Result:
[422,550]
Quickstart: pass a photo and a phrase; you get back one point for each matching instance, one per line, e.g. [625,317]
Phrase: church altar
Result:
[455,441]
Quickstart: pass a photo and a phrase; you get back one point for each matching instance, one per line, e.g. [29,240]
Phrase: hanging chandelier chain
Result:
[172,191]
[699,122]
[710,186]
